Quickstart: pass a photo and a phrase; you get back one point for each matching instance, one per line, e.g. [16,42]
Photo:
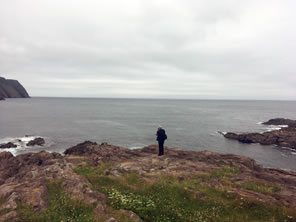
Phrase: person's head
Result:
[160,127]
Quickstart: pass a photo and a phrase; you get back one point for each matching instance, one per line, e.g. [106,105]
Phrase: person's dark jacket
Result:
[161,136]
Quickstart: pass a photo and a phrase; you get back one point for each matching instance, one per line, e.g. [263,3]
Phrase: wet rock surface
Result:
[23,178]
[7,145]
[285,137]
[36,142]
[281,121]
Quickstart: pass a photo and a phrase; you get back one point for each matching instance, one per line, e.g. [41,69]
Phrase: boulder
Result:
[7,145]
[39,141]
[81,149]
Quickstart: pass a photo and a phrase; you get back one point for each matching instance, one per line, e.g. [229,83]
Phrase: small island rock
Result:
[7,145]
[36,142]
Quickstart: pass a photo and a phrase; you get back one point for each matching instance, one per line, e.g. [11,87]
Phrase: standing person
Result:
[161,137]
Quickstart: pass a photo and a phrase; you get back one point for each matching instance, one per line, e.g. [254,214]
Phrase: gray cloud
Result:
[216,49]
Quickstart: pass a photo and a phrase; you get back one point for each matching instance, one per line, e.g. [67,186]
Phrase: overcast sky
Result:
[203,49]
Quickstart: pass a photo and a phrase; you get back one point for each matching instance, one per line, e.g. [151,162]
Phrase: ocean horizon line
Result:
[144,98]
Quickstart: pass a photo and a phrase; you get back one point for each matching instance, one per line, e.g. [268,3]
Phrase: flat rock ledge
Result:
[284,137]
[23,178]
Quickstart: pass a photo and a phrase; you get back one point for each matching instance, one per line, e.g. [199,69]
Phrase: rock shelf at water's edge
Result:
[284,137]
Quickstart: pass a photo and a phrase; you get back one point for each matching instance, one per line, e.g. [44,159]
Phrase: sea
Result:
[132,123]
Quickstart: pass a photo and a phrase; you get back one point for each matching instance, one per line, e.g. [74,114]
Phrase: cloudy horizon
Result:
[150,49]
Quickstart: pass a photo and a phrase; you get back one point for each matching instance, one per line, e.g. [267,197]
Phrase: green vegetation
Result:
[4,210]
[223,174]
[261,187]
[2,201]
[61,208]
[167,198]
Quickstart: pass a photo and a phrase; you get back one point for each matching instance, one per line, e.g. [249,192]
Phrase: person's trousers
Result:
[160,146]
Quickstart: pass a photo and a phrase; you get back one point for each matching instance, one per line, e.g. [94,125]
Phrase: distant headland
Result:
[10,88]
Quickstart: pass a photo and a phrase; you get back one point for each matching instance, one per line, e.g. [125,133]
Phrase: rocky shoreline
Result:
[24,179]
[284,137]
[38,141]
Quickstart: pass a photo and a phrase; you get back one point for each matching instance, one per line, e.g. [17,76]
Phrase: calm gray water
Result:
[190,124]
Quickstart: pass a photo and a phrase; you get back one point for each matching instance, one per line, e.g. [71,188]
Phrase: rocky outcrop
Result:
[1,98]
[281,122]
[39,141]
[23,178]
[285,137]
[81,149]
[7,145]
[12,89]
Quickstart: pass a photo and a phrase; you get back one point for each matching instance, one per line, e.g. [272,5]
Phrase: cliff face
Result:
[12,89]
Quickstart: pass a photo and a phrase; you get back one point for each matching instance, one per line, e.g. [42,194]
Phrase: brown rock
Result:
[9,215]
[81,149]
[131,215]
[111,219]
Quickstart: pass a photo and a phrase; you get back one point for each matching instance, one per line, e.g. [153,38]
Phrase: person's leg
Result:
[160,145]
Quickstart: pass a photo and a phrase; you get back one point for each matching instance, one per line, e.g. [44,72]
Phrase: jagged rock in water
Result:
[36,142]
[8,145]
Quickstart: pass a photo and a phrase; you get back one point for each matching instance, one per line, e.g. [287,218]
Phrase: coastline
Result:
[81,172]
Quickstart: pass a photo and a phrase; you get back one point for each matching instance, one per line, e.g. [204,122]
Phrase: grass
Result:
[61,208]
[2,201]
[169,199]
[261,187]
[4,210]
[223,174]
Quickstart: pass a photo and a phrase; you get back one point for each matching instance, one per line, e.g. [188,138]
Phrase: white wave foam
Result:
[259,123]
[135,147]
[220,133]
[20,142]
[274,127]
